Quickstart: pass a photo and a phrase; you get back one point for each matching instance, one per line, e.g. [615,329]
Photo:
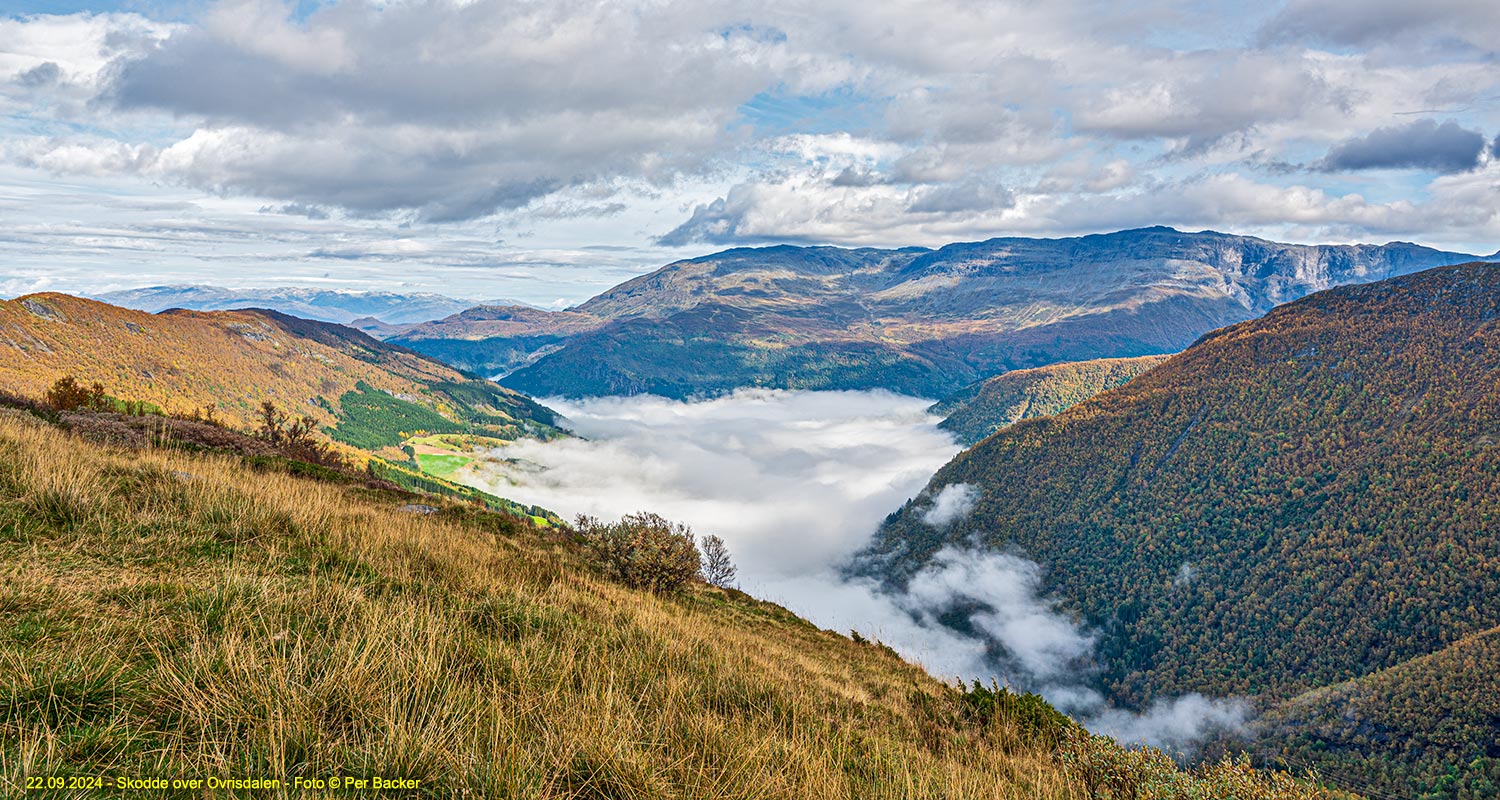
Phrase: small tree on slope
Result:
[718,569]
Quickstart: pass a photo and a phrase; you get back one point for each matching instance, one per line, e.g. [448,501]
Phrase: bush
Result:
[643,550]
[1033,715]
[1110,771]
[294,438]
[67,394]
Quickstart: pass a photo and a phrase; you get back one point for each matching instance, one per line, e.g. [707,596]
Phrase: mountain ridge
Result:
[326,305]
[914,320]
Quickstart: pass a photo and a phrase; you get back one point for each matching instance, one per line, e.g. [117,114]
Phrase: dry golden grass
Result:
[184,616]
[180,616]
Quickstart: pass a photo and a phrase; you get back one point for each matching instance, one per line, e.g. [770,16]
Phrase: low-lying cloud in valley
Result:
[953,503]
[796,483]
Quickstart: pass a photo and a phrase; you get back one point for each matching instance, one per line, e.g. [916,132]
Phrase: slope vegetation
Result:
[232,361]
[922,322]
[1008,398]
[1291,503]
[176,616]
[1428,727]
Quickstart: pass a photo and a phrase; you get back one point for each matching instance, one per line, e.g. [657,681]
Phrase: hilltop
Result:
[190,616]
[1290,504]
[917,321]
[1008,398]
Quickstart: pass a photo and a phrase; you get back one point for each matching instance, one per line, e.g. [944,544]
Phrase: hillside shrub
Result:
[643,550]
[294,438]
[1033,715]
[67,394]
[1108,770]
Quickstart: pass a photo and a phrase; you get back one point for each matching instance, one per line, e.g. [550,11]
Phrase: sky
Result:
[548,150]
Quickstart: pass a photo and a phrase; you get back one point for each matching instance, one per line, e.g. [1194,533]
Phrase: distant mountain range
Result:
[1302,508]
[326,305]
[918,321]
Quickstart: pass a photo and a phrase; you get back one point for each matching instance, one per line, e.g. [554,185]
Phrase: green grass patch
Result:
[442,466]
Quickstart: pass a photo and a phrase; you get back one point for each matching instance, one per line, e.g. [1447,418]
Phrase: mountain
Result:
[326,305]
[376,328]
[176,616]
[1292,503]
[368,393]
[985,407]
[917,321]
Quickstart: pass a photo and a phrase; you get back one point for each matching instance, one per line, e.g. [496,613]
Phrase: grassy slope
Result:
[1006,399]
[185,616]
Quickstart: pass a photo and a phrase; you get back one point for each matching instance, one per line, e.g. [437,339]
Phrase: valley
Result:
[366,399]
[1018,559]
[709,400]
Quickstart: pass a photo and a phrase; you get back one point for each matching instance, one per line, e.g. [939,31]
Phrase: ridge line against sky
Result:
[547,151]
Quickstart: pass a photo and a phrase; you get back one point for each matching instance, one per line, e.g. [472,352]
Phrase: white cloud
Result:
[1175,725]
[886,124]
[954,502]
[793,481]
[1003,595]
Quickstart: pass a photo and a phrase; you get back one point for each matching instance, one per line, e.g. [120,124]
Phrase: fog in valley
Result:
[796,483]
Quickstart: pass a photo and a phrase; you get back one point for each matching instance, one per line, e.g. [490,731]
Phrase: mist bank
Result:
[796,483]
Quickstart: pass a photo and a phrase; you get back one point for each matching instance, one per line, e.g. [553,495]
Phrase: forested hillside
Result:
[983,408]
[179,616]
[1291,503]
[1428,727]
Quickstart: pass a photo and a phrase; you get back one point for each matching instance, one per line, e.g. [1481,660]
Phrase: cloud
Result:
[1204,96]
[1176,725]
[1396,23]
[793,481]
[853,176]
[1460,207]
[1034,645]
[889,124]
[953,503]
[446,111]
[1000,596]
[43,74]
[1423,144]
[962,197]
[796,483]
